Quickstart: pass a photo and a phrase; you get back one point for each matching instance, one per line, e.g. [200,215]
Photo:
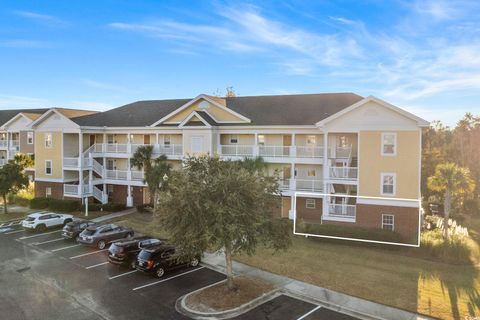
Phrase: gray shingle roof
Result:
[6,115]
[300,109]
[207,118]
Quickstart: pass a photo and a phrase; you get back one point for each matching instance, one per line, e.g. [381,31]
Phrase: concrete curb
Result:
[360,308]
[115,215]
[181,306]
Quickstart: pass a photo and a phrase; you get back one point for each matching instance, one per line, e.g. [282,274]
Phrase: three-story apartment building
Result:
[341,158]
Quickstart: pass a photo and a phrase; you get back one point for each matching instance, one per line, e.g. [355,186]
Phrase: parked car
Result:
[73,229]
[39,221]
[161,258]
[124,252]
[101,236]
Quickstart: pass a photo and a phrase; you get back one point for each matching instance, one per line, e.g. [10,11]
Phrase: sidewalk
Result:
[115,215]
[318,295]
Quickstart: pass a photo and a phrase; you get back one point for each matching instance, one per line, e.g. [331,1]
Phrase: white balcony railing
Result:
[309,152]
[309,185]
[169,149]
[343,152]
[274,151]
[343,173]
[71,162]
[116,174]
[3,162]
[284,184]
[116,148]
[3,144]
[71,190]
[237,150]
[137,175]
[342,210]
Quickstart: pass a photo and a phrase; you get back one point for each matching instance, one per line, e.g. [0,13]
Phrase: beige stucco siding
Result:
[24,146]
[54,153]
[405,164]
[216,112]
[174,138]
[301,139]
[205,135]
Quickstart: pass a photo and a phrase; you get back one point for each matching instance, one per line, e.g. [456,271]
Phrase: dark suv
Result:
[101,236]
[158,259]
[124,252]
[74,228]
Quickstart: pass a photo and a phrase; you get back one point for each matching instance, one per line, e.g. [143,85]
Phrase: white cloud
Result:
[40,17]
[342,20]
[17,102]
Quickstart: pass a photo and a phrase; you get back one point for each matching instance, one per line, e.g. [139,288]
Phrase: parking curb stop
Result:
[181,306]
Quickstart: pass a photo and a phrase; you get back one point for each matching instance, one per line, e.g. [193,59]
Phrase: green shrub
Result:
[18,200]
[93,207]
[348,232]
[64,205]
[455,250]
[39,203]
[113,207]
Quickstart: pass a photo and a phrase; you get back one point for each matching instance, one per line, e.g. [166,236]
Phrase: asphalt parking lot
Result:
[47,277]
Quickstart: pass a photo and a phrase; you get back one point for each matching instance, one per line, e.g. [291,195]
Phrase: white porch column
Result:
[129,142]
[293,149]
[293,184]
[129,196]
[80,164]
[326,169]
[256,152]
[129,170]
[105,194]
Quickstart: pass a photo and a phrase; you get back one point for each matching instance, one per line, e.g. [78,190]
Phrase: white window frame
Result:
[311,173]
[110,189]
[30,137]
[167,140]
[48,140]
[234,137]
[385,174]
[48,192]
[51,167]
[112,141]
[388,224]
[311,143]
[310,203]
[261,140]
[394,134]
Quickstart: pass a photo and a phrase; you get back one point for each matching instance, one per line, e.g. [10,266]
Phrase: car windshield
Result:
[145,255]
[30,219]
[114,248]
[89,232]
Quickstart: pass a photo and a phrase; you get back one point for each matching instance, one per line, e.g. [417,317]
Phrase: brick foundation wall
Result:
[119,194]
[406,219]
[137,194]
[309,214]
[57,189]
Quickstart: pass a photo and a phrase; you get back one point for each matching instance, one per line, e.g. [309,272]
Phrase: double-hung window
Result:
[310,203]
[48,140]
[48,167]
[388,184]
[233,139]
[389,144]
[388,222]
[30,137]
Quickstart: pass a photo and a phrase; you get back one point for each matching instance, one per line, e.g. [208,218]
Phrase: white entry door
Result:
[197,144]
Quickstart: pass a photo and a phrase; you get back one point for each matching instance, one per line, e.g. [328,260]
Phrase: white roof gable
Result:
[54,120]
[18,122]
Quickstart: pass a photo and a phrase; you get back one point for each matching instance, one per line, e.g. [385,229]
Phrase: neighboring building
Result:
[340,144]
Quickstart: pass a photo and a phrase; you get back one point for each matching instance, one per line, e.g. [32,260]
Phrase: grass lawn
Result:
[389,276]
[142,223]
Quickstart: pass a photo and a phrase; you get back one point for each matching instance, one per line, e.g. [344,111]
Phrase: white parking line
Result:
[64,248]
[16,231]
[54,240]
[86,254]
[38,235]
[121,275]
[97,265]
[309,312]
[157,282]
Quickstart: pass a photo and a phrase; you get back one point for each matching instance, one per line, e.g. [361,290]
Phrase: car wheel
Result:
[101,244]
[194,262]
[159,272]
[40,228]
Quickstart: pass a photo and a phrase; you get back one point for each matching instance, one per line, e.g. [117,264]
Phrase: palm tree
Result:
[156,171]
[451,180]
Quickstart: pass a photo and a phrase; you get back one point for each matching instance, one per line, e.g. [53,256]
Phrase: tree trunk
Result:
[229,269]
[446,208]
[155,200]
[4,203]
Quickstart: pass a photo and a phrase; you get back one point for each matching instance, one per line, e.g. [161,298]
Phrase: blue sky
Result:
[420,55]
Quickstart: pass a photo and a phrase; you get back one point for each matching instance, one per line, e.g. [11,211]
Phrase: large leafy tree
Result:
[156,170]
[451,180]
[12,180]
[222,205]
[24,160]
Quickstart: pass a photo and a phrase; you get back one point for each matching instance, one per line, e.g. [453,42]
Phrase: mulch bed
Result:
[220,298]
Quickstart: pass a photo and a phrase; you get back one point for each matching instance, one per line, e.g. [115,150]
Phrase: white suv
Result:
[39,221]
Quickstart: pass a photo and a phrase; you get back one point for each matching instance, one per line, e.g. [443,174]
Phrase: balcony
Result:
[3,162]
[300,185]
[116,174]
[74,162]
[342,210]
[3,144]
[129,149]
[234,150]
[343,173]
[237,150]
[73,190]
